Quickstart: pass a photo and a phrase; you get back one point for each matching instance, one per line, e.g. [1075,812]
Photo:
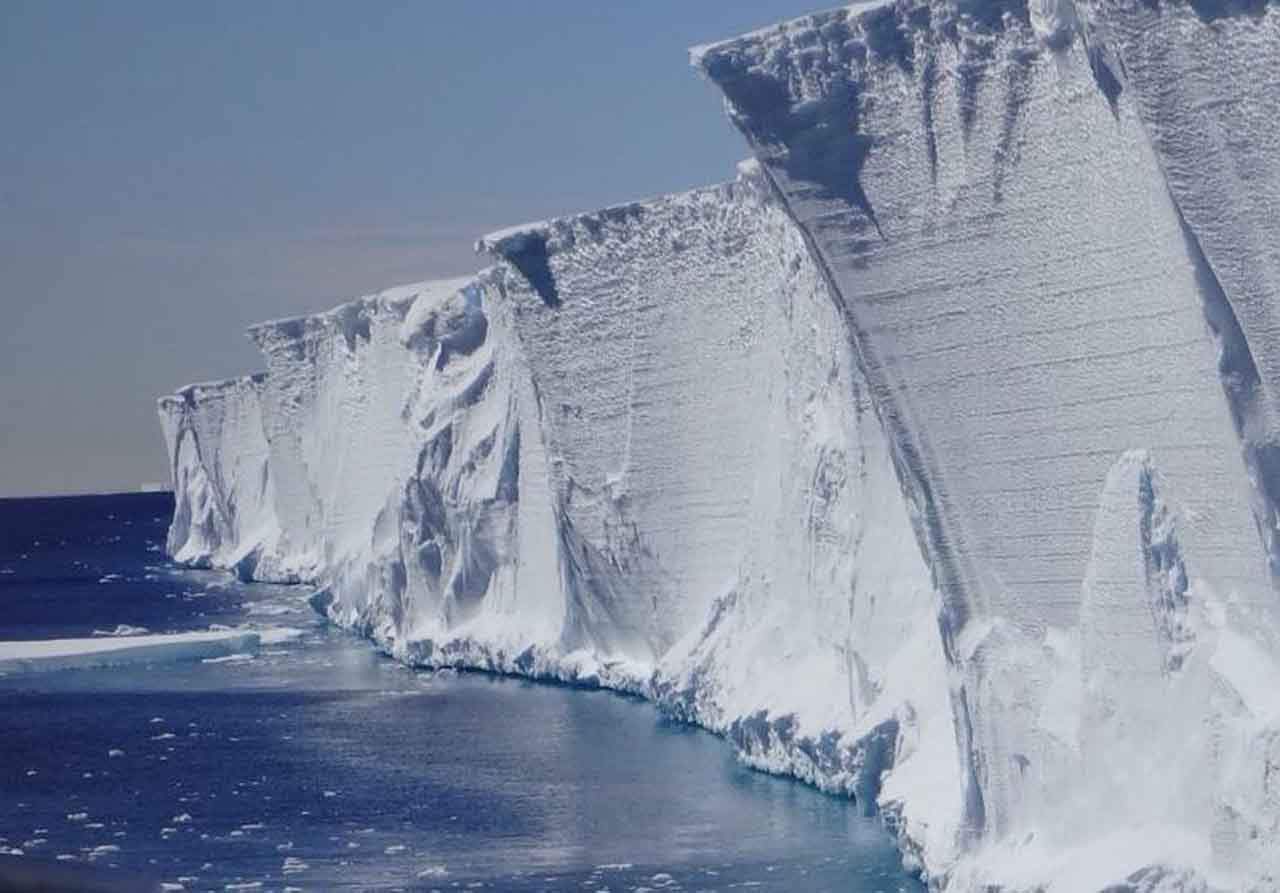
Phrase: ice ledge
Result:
[887,30]
[514,239]
[203,391]
[699,52]
[528,247]
[351,317]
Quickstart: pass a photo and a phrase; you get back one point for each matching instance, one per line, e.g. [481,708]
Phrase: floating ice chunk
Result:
[276,635]
[271,608]
[63,654]
[122,629]
[229,659]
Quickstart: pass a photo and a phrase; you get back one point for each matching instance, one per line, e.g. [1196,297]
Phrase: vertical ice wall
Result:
[636,452]
[224,514]
[646,328]
[395,434]
[332,399]
[1028,307]
[725,499]
[1201,77]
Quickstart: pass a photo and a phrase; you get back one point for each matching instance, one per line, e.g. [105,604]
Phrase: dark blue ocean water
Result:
[318,764]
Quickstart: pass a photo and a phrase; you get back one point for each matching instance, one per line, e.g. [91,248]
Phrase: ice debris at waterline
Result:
[933,460]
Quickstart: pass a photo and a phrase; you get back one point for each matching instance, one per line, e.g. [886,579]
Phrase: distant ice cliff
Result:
[933,460]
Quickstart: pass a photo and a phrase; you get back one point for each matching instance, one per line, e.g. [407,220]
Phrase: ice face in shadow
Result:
[981,189]
[1195,71]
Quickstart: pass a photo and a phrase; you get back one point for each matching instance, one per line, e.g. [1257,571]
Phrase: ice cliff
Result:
[932,461]
[225,507]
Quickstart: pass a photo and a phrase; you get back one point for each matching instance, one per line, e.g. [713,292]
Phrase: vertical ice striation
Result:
[1028,306]
[1200,75]
[663,320]
[332,400]
[725,497]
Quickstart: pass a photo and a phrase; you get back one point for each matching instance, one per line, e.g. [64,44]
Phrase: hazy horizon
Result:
[176,172]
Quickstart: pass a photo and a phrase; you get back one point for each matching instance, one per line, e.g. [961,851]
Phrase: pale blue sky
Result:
[171,172]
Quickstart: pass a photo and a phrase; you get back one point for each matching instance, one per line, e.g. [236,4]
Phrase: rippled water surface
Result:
[319,764]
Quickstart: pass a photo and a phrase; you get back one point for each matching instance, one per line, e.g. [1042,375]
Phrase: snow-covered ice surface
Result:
[931,461]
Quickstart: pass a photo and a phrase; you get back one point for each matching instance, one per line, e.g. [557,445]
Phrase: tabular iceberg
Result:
[932,460]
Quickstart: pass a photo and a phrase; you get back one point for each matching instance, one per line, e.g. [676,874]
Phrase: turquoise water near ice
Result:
[319,764]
